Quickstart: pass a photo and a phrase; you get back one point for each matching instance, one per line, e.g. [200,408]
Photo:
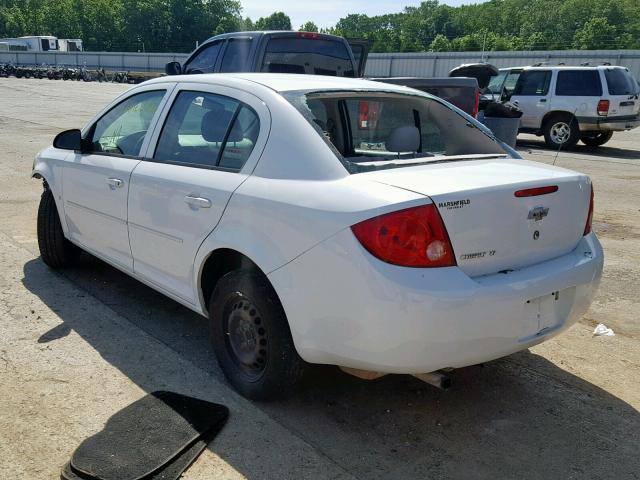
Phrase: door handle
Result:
[543,100]
[197,202]
[114,183]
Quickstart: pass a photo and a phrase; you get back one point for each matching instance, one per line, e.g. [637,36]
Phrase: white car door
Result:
[206,146]
[531,94]
[96,180]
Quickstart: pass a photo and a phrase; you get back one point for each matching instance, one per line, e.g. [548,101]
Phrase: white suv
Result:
[567,104]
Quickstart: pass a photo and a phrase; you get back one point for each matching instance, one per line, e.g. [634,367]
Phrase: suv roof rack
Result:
[544,64]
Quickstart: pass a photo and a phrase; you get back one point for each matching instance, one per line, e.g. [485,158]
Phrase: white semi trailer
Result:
[36,43]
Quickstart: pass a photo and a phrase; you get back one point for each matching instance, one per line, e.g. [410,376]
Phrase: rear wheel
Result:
[251,337]
[55,250]
[561,131]
[596,139]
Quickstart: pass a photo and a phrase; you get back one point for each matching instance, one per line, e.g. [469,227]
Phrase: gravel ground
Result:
[77,346]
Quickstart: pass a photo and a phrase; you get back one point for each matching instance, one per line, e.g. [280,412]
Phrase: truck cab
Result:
[274,52]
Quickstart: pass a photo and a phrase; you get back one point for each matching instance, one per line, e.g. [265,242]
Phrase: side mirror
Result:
[69,140]
[173,68]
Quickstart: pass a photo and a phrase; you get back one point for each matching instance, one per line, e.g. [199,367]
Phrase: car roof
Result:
[286,82]
[562,67]
[259,33]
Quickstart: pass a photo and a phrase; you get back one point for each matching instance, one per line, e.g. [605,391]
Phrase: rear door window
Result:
[620,82]
[207,130]
[533,82]
[205,60]
[315,56]
[236,55]
[579,83]
[242,137]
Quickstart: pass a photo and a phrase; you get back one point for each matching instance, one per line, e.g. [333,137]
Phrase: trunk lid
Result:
[491,229]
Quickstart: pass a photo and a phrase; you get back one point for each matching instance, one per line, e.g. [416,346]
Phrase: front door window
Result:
[121,131]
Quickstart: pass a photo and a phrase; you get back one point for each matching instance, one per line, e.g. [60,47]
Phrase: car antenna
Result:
[560,146]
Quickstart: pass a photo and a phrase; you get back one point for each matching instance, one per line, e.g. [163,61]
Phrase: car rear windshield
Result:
[315,56]
[374,130]
[620,82]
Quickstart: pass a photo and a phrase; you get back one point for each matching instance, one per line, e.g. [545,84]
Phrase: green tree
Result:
[275,21]
[309,27]
[596,34]
[440,44]
[162,25]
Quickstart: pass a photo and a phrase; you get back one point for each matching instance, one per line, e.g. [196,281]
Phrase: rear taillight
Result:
[363,115]
[313,35]
[587,227]
[476,105]
[368,114]
[603,107]
[415,237]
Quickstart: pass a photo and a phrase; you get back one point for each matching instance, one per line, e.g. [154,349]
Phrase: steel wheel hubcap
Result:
[560,132]
[246,336]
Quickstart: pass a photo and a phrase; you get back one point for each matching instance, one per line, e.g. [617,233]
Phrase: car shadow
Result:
[518,417]
[603,151]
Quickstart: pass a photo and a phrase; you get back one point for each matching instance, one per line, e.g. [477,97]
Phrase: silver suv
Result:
[568,104]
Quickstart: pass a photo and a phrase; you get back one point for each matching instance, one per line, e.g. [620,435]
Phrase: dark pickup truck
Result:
[314,54]
[463,92]
[276,52]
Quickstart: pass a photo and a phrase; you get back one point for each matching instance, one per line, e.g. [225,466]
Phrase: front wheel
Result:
[55,250]
[597,139]
[561,131]
[251,337]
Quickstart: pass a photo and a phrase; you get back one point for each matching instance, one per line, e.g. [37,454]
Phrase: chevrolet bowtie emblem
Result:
[538,213]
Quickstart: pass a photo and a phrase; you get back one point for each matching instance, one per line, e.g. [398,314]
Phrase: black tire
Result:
[55,250]
[251,337]
[561,131]
[596,139]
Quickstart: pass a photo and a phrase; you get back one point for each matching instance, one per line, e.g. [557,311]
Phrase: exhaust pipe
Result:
[437,379]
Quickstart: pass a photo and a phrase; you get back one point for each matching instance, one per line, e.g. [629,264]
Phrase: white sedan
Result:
[324,220]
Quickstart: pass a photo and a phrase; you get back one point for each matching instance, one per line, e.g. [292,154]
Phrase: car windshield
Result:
[495,85]
[375,130]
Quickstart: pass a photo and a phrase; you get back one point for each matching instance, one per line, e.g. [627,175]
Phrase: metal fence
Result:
[139,62]
[428,64]
[439,64]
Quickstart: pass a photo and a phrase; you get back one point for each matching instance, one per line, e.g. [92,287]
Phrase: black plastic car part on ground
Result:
[156,437]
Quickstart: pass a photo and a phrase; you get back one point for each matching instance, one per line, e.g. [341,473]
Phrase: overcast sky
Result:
[326,13]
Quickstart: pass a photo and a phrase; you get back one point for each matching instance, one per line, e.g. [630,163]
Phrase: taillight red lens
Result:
[476,106]
[587,227]
[415,237]
[603,107]
[363,115]
[368,113]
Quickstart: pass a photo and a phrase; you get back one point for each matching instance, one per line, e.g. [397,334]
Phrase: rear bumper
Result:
[617,124]
[347,308]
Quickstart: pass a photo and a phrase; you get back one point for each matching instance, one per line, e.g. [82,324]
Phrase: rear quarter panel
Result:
[274,221]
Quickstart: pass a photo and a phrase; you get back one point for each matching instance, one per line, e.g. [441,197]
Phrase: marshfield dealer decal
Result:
[454,205]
